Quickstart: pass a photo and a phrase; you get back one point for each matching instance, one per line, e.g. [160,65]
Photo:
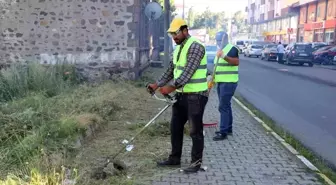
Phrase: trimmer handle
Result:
[168,98]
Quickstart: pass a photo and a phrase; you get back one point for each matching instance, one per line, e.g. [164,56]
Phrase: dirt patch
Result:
[136,109]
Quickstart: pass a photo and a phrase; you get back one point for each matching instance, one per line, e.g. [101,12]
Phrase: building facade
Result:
[273,20]
[293,20]
[317,21]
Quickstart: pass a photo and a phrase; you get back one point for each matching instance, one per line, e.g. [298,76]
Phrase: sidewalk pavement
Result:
[249,156]
[316,73]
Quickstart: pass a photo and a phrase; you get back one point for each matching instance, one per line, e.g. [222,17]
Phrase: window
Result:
[240,42]
[329,35]
[303,15]
[333,49]
[256,47]
[271,46]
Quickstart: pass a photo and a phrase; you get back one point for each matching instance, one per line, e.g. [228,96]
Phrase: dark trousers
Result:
[189,107]
[225,92]
[280,57]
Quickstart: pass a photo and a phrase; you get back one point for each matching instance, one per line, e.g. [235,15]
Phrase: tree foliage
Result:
[239,21]
[215,21]
[210,20]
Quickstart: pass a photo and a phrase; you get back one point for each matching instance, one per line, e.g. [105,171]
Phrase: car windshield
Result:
[211,48]
[323,48]
[240,42]
[271,46]
[256,47]
[304,47]
[259,43]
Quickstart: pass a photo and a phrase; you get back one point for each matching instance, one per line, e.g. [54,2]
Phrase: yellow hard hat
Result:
[176,24]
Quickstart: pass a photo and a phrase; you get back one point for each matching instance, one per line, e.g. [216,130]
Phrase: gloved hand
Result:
[220,53]
[151,88]
[211,83]
[167,89]
[154,86]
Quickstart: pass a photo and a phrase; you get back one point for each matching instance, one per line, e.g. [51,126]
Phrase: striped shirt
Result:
[194,56]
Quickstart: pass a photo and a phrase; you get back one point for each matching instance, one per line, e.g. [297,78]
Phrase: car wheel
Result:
[311,64]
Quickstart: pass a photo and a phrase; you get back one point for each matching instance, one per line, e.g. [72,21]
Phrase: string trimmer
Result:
[119,165]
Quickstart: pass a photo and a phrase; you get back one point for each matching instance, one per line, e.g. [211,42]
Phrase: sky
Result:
[229,6]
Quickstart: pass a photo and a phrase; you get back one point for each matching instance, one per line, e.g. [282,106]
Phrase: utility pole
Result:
[183,10]
[166,38]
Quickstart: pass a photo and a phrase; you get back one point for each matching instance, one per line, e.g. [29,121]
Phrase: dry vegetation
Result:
[45,110]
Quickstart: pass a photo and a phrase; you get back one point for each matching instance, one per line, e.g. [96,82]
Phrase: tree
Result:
[239,21]
[213,22]
[191,17]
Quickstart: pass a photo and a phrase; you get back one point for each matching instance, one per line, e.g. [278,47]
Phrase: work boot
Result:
[169,162]
[220,137]
[192,169]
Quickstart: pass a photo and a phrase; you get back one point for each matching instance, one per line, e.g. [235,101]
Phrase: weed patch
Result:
[44,109]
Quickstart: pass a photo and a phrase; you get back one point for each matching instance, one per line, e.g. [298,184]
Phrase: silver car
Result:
[253,50]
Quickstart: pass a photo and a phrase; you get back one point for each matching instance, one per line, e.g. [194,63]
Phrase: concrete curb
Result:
[291,149]
[302,76]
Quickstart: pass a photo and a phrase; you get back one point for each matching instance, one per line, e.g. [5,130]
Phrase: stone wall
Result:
[87,32]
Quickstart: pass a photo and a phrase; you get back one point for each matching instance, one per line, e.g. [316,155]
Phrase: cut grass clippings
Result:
[290,139]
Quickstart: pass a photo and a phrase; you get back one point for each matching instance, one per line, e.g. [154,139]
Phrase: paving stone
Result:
[249,156]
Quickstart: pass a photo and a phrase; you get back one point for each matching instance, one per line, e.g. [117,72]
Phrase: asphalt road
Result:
[304,107]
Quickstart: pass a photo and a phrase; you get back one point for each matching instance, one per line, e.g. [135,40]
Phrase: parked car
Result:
[253,50]
[269,52]
[240,45]
[320,55]
[298,53]
[318,45]
[211,51]
[247,43]
[331,55]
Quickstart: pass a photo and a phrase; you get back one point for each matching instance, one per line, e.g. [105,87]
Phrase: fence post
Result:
[166,38]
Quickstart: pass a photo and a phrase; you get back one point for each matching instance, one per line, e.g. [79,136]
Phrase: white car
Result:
[253,50]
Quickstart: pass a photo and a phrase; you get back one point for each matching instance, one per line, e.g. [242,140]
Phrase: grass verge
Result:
[290,139]
[44,110]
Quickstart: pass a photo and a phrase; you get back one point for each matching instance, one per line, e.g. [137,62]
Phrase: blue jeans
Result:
[225,92]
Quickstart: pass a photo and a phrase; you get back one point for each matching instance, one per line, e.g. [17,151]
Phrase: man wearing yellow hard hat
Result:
[186,75]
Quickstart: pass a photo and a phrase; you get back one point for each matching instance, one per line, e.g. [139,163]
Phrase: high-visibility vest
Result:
[226,72]
[198,81]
